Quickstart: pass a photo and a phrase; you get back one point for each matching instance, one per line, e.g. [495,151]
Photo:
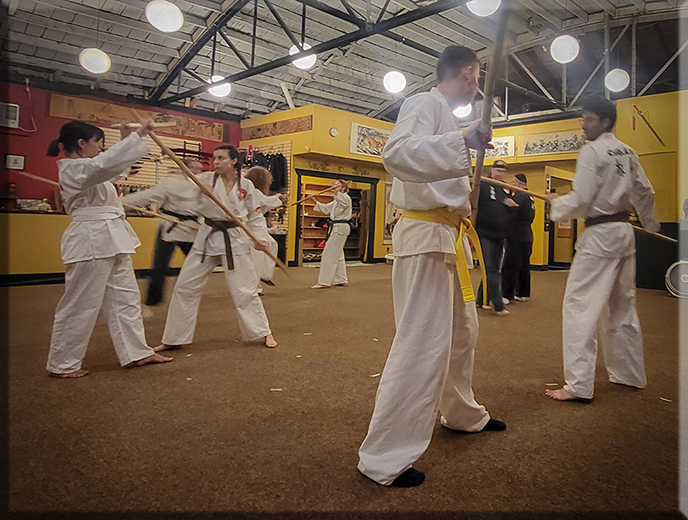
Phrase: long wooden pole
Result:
[311,196]
[160,216]
[208,193]
[544,197]
[37,178]
[492,73]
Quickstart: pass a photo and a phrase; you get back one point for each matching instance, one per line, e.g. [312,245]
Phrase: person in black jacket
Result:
[494,220]
[519,246]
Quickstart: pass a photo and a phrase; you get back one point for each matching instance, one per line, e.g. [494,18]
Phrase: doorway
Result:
[562,235]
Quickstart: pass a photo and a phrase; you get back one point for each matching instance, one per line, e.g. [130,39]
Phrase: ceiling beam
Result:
[140,5]
[574,8]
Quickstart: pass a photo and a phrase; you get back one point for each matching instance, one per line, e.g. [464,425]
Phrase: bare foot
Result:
[155,358]
[270,341]
[146,312]
[71,375]
[345,284]
[503,312]
[319,286]
[162,347]
[560,395]
[486,307]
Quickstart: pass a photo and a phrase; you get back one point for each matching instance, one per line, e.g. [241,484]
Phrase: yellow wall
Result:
[34,243]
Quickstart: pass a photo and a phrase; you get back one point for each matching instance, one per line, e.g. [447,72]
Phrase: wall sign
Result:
[558,142]
[366,140]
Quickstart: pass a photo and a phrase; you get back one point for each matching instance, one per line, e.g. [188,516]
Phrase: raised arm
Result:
[586,186]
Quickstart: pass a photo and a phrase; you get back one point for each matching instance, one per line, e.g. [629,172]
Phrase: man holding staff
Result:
[609,183]
[430,364]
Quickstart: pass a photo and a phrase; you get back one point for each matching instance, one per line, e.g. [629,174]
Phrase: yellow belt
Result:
[444,216]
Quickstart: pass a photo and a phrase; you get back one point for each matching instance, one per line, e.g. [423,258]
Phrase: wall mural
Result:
[366,140]
[562,142]
[503,147]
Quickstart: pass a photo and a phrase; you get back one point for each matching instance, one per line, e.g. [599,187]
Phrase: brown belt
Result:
[222,226]
[603,219]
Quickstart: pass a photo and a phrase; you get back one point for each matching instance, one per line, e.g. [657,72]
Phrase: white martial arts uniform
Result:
[262,263]
[430,364]
[333,259]
[209,251]
[608,180]
[95,250]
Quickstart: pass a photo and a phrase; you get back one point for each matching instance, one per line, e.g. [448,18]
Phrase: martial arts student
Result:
[95,250]
[176,196]
[221,242]
[608,185]
[333,260]
[519,246]
[430,364]
[262,263]
[493,223]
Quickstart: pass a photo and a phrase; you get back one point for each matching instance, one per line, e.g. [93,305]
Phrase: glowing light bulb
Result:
[164,16]
[617,80]
[394,81]
[94,60]
[463,111]
[220,90]
[564,49]
[307,61]
[484,7]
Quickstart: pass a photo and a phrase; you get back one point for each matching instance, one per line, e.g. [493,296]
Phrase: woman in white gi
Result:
[95,250]
[176,196]
[430,364]
[608,185]
[333,261]
[262,263]
[221,242]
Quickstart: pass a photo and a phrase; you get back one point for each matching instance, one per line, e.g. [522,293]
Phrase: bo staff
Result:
[486,120]
[137,125]
[544,197]
[204,189]
[160,216]
[311,196]
[37,178]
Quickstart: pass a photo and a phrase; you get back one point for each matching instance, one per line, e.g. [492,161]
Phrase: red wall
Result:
[33,146]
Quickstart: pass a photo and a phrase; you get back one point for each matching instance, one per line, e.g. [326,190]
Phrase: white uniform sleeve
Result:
[255,221]
[643,197]
[586,186]
[107,165]
[414,153]
[324,208]
[268,203]
[155,195]
[342,200]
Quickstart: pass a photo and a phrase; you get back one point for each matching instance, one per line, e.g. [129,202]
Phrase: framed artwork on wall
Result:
[366,140]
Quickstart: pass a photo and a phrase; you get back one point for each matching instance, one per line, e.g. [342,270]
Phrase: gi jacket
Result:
[98,228]
[339,209]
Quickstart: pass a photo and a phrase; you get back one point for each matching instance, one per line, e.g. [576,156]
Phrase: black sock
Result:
[409,478]
[493,425]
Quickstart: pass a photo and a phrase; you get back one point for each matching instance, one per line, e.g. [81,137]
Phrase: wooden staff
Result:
[486,121]
[137,125]
[544,197]
[311,196]
[161,216]
[208,193]
[37,178]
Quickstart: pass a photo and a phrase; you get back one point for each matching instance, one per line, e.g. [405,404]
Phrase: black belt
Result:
[603,219]
[221,226]
[178,216]
[331,224]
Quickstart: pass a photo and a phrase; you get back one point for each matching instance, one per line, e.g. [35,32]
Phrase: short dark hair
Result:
[70,133]
[602,108]
[521,178]
[502,164]
[453,60]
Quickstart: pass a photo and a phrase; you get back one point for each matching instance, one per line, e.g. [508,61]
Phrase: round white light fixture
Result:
[164,16]
[484,7]
[463,111]
[617,80]
[94,60]
[220,90]
[394,81]
[564,49]
[306,62]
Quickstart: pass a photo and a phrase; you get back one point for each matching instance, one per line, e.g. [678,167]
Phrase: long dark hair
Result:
[70,133]
[234,154]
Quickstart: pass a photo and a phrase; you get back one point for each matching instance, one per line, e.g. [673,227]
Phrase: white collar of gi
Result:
[437,94]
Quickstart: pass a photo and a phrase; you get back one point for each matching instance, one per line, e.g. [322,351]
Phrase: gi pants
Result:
[262,263]
[333,261]
[493,253]
[90,284]
[186,297]
[601,287]
[516,270]
[161,265]
[430,366]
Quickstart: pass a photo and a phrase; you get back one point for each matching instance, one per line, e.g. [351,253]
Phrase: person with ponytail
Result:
[96,249]
[221,242]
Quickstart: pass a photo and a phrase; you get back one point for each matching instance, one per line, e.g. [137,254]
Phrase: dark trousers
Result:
[493,252]
[516,270]
[160,269]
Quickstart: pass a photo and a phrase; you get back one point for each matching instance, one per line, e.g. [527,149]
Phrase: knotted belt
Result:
[603,219]
[178,216]
[222,226]
[463,225]
[330,225]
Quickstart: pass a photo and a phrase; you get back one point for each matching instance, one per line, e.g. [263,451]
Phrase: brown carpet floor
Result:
[229,426]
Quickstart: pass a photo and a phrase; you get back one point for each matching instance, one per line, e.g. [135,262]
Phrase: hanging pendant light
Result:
[164,16]
[484,7]
[565,49]
[220,90]
[306,62]
[462,112]
[394,81]
[617,80]
[94,60]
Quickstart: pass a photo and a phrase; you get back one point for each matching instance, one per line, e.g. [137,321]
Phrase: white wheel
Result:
[676,279]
